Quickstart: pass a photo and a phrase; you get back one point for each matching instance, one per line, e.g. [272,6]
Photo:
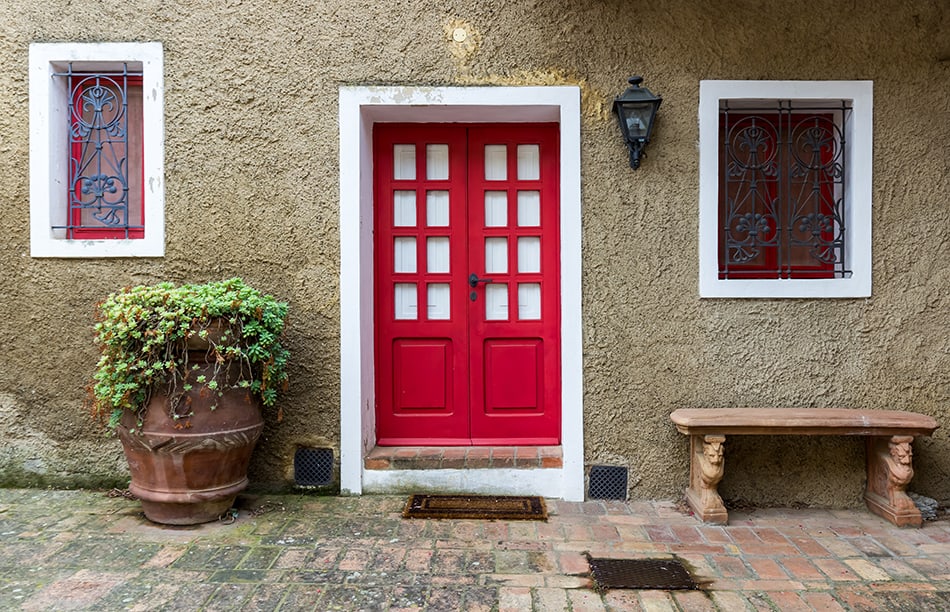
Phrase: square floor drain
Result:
[646,574]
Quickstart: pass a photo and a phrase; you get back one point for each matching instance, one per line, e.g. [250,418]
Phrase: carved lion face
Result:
[903,453]
[713,452]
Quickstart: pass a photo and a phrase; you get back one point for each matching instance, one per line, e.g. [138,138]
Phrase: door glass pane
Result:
[404,209]
[496,301]
[437,162]
[529,301]
[437,254]
[496,255]
[405,255]
[496,208]
[437,297]
[437,208]
[496,162]
[529,254]
[406,301]
[529,208]
[529,165]
[404,162]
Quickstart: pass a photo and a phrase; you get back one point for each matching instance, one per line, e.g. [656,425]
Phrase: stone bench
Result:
[889,454]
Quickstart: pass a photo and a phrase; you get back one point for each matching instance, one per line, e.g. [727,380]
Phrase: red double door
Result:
[467,295]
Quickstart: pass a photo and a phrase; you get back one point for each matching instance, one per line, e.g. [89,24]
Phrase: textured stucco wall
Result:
[251,190]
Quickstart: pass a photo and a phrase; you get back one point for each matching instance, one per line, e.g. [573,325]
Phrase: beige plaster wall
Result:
[252,190]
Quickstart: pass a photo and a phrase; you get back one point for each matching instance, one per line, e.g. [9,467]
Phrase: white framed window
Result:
[785,189]
[97,185]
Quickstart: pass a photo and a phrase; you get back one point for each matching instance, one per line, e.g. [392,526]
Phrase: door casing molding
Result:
[361,107]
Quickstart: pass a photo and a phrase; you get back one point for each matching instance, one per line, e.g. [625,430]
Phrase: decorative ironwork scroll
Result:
[104,145]
[782,191]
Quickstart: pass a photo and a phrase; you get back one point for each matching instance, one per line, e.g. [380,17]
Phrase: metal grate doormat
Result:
[646,574]
[488,507]
[313,467]
[607,482]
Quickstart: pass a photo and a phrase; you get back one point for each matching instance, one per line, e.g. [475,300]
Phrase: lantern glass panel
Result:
[636,118]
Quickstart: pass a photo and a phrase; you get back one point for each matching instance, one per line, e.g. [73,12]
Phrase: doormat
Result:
[488,507]
[646,574]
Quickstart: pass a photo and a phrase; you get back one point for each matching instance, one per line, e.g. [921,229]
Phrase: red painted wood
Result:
[466,380]
[421,391]
[515,364]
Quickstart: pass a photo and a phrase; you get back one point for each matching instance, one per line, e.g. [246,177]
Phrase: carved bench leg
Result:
[706,465]
[890,470]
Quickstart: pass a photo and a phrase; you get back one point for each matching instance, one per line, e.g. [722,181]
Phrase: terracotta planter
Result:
[189,470]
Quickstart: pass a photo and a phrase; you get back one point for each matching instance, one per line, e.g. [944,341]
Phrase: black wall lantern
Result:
[636,109]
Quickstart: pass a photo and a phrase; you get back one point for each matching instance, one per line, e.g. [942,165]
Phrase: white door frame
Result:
[360,108]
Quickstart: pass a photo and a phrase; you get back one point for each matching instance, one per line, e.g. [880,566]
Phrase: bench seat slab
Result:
[802,421]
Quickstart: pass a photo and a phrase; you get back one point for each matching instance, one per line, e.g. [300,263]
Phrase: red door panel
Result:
[422,375]
[513,371]
[420,350]
[515,323]
[467,295]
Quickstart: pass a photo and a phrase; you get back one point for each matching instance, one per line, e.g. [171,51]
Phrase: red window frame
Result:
[773,188]
[75,229]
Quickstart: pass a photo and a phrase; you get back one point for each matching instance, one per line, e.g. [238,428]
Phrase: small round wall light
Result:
[636,109]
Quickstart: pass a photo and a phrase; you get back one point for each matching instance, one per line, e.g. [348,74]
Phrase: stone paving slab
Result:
[84,550]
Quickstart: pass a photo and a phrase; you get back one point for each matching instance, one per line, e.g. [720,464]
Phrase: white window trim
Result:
[857,192]
[49,155]
[360,108]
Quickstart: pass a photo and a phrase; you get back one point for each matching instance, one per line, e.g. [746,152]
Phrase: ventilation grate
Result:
[647,574]
[313,467]
[607,482]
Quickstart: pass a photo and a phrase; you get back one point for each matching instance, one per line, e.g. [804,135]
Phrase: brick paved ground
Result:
[74,550]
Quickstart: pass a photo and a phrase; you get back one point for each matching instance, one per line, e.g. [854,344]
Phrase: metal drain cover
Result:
[647,574]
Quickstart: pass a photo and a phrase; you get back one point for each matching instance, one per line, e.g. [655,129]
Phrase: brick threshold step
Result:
[463,457]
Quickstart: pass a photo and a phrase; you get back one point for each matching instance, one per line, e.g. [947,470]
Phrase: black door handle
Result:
[473,280]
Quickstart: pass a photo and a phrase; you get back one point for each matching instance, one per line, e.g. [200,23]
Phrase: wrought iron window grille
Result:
[101,161]
[782,190]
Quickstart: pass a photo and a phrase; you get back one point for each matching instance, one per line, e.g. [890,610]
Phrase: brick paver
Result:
[82,550]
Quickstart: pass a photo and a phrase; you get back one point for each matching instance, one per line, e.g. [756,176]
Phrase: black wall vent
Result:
[313,467]
[607,482]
